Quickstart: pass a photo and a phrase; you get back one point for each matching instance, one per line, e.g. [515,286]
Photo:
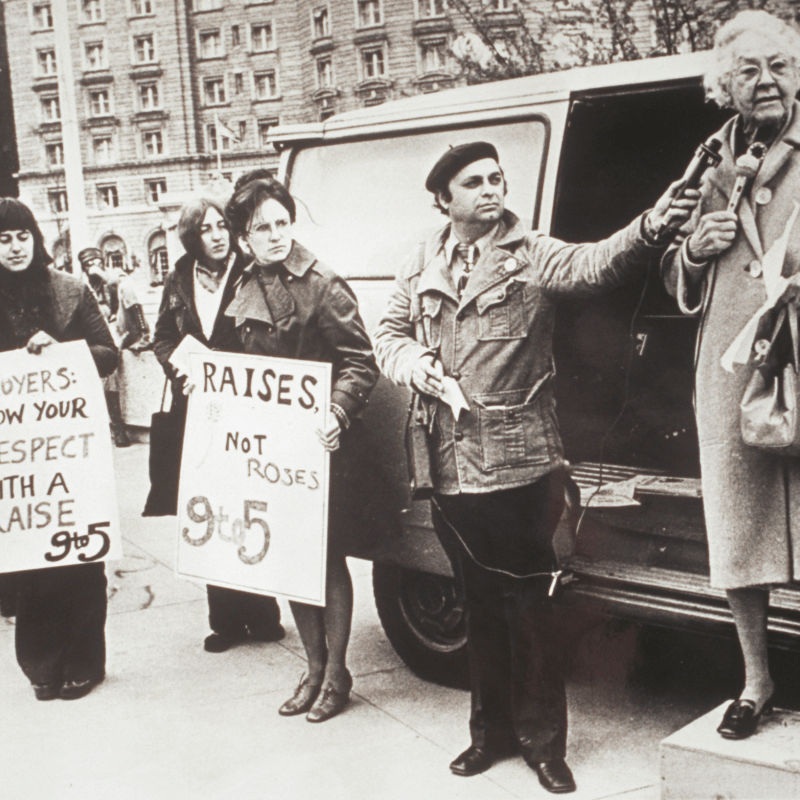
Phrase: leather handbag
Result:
[769,408]
[166,444]
[418,449]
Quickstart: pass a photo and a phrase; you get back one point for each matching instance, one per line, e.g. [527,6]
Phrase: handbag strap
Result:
[792,312]
[164,393]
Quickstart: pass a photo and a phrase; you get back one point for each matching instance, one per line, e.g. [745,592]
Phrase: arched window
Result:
[114,252]
[159,260]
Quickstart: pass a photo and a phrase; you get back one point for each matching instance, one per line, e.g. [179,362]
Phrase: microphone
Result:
[747,167]
[707,155]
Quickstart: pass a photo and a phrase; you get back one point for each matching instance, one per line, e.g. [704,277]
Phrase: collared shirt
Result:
[454,261]
[206,301]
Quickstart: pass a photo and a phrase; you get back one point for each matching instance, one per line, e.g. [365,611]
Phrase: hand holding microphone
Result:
[716,231]
[675,207]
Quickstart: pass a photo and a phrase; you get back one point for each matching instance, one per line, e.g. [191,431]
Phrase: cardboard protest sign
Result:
[253,500]
[58,502]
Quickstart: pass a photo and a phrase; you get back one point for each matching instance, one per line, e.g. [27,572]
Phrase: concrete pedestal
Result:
[696,762]
[141,386]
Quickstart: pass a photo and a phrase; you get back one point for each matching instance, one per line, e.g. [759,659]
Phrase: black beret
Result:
[454,160]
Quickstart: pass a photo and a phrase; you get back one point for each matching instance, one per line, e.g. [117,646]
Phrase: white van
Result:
[584,152]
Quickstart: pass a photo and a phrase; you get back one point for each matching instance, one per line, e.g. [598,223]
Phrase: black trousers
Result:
[231,611]
[516,677]
[60,629]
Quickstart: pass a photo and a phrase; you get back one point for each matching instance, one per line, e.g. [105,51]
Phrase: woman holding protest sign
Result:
[196,293]
[61,611]
[288,305]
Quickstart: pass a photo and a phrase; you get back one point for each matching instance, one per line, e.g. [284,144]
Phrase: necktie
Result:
[469,255]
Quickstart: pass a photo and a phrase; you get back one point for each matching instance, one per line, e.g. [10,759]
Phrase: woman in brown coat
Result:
[196,294]
[61,611]
[752,498]
[291,306]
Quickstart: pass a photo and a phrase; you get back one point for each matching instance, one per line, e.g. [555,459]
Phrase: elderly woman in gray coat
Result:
[752,498]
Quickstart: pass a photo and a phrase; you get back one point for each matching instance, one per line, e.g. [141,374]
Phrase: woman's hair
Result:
[243,204]
[192,215]
[718,77]
[16,216]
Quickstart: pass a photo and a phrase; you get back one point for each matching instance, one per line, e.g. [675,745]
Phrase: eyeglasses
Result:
[750,73]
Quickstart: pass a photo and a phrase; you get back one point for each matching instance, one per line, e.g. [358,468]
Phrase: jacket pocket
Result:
[513,431]
[432,320]
[501,312]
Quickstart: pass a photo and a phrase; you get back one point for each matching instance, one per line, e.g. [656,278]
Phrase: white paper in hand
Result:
[180,356]
[453,396]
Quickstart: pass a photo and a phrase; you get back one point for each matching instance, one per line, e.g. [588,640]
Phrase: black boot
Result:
[118,430]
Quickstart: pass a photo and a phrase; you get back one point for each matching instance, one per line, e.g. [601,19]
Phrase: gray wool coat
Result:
[751,498]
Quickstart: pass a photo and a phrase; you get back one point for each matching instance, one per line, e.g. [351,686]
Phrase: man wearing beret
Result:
[473,310]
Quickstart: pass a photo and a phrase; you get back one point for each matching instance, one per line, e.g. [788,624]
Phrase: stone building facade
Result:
[170,91]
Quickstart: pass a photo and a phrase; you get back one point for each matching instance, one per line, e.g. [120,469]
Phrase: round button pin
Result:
[510,265]
[755,269]
[763,195]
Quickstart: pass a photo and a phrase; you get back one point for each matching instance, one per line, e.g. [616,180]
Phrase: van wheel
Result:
[424,619]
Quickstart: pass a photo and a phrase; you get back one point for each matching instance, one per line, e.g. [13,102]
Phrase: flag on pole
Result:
[224,130]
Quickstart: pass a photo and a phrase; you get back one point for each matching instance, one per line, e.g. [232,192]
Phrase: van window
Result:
[362,205]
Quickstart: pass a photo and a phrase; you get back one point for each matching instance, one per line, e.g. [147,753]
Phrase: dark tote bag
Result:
[166,443]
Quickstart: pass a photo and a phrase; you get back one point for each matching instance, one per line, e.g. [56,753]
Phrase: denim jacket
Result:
[497,343]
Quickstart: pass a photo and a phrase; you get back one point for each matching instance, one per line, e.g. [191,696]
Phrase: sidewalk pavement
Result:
[172,721]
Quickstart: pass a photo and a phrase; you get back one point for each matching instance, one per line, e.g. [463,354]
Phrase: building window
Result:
[57,199]
[92,10]
[263,130]
[46,61]
[266,85]
[210,44]
[102,149]
[433,56]
[502,5]
[238,83]
[99,103]
[242,130]
[207,5]
[235,40]
[94,55]
[261,37]
[42,16]
[156,187]
[152,143]
[373,62]
[145,49]
[148,96]
[324,73]
[431,8]
[51,110]
[369,13]
[54,153]
[215,140]
[214,91]
[141,8]
[107,195]
[321,22]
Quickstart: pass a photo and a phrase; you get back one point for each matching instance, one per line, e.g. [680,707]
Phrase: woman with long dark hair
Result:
[61,611]
[318,321]
[196,293]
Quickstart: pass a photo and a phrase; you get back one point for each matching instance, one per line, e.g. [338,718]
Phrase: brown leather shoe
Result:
[472,761]
[304,696]
[554,775]
[331,702]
